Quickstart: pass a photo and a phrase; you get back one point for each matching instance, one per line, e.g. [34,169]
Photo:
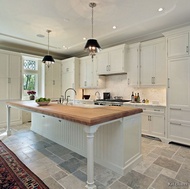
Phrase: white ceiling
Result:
[70,21]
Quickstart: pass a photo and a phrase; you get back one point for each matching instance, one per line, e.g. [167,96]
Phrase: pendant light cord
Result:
[48,31]
[92,22]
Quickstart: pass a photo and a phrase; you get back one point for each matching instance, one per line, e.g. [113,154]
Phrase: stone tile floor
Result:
[164,166]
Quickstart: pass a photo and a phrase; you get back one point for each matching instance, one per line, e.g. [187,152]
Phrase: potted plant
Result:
[31,94]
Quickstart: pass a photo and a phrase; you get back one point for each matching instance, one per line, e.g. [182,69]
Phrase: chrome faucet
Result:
[67,97]
[97,92]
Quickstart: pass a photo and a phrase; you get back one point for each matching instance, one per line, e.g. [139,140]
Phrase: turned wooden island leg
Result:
[8,120]
[90,155]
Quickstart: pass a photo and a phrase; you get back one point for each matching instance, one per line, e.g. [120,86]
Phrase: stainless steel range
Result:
[110,102]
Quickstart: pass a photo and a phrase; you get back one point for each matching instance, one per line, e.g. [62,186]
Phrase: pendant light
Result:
[48,59]
[92,46]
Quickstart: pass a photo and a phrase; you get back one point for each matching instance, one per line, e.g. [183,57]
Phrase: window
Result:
[31,75]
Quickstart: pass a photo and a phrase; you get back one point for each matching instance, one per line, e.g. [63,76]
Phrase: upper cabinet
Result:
[153,62]
[70,77]
[88,74]
[10,76]
[133,64]
[112,60]
[177,43]
[53,80]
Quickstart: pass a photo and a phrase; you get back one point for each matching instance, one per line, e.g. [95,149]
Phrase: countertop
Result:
[144,104]
[83,115]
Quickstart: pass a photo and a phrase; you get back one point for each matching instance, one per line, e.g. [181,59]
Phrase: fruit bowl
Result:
[43,101]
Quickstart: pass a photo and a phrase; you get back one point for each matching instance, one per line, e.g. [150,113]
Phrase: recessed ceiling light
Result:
[40,35]
[114,27]
[66,20]
[65,47]
[160,9]
[84,38]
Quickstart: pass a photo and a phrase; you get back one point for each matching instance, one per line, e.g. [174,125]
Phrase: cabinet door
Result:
[4,76]
[68,65]
[133,65]
[86,72]
[147,65]
[57,80]
[49,82]
[68,82]
[179,82]
[116,61]
[178,45]
[15,77]
[145,123]
[103,64]
[157,127]
[159,77]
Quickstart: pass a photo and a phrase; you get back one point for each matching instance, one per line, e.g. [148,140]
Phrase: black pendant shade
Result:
[92,46]
[48,60]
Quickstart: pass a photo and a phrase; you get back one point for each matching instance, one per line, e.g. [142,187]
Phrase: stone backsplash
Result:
[117,85]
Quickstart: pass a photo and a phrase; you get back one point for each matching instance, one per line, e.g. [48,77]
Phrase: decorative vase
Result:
[32,97]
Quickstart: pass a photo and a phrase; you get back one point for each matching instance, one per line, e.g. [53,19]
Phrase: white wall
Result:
[117,85]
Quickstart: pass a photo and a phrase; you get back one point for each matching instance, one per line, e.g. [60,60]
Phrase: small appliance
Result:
[106,96]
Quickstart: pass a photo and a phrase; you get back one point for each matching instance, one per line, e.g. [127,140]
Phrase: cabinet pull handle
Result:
[59,120]
[9,80]
[43,116]
[128,81]
[168,83]
[187,49]
[53,82]
[150,118]
[109,67]
[175,108]
[157,110]
[175,123]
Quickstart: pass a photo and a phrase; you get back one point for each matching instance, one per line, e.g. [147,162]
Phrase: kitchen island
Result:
[117,132]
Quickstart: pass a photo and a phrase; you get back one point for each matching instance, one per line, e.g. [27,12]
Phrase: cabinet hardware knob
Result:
[187,49]
[175,123]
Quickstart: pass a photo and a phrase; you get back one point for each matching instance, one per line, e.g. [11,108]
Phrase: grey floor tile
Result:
[183,175]
[59,175]
[168,183]
[153,171]
[163,152]
[80,175]
[136,180]
[40,145]
[118,185]
[167,163]
[71,182]
[71,165]
[58,150]
[52,184]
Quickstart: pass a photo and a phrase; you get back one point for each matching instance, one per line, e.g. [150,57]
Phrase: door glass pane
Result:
[29,83]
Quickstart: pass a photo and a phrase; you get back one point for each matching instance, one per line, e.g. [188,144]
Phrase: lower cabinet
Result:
[153,120]
[153,124]
[179,125]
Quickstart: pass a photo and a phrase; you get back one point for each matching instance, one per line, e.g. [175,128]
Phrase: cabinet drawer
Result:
[179,132]
[179,114]
[153,110]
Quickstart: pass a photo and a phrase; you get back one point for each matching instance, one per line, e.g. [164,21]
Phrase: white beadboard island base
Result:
[117,144]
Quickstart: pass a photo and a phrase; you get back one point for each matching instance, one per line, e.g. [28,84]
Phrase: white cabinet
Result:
[53,80]
[88,74]
[178,95]
[112,60]
[70,77]
[153,63]
[10,76]
[178,45]
[10,84]
[133,64]
[153,122]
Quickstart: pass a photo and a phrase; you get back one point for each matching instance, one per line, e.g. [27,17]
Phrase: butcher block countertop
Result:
[79,114]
